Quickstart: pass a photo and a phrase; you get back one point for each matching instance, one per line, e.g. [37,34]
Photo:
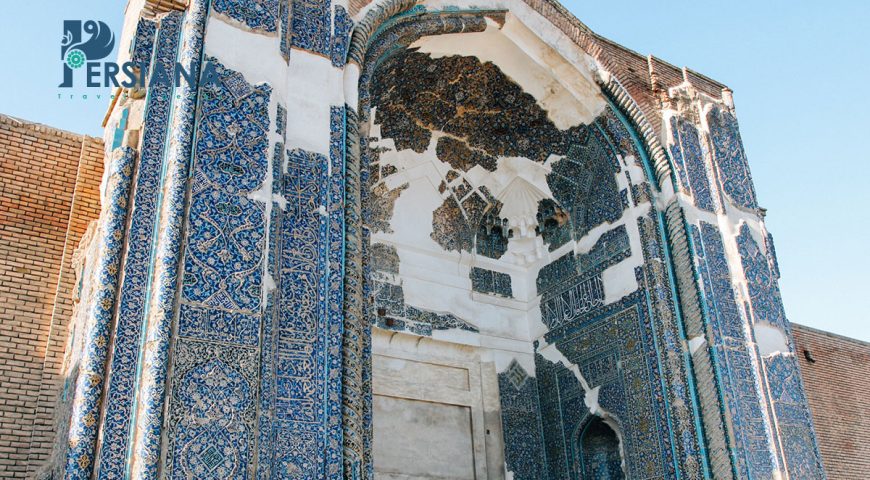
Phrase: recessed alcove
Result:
[506,209]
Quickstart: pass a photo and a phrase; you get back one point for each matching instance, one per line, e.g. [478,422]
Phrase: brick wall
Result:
[838,387]
[49,182]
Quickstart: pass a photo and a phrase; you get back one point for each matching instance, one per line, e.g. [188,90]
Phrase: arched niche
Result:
[438,168]
[598,449]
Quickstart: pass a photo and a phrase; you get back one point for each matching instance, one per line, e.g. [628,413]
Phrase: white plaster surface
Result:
[696,343]
[770,339]
[436,410]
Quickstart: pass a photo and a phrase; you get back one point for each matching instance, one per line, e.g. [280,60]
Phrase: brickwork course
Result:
[836,372]
[49,192]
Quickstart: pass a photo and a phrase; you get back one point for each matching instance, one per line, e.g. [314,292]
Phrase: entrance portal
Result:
[517,276]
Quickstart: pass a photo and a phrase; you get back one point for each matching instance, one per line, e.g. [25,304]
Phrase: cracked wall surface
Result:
[486,208]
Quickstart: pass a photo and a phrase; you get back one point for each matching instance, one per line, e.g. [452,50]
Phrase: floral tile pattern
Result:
[141,235]
[689,156]
[741,386]
[259,15]
[90,380]
[731,158]
[311,26]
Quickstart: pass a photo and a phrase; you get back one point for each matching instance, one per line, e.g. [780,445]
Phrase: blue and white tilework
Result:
[342,25]
[763,286]
[730,158]
[788,400]
[334,286]
[488,281]
[691,163]
[215,361]
[143,44]
[521,413]
[735,362]
[268,337]
[616,351]
[131,314]
[302,362]
[793,419]
[259,15]
[80,456]
[771,255]
[245,314]
[223,262]
[311,26]
[145,452]
[584,182]
[286,33]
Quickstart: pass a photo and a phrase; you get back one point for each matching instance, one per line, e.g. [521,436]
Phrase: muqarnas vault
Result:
[410,240]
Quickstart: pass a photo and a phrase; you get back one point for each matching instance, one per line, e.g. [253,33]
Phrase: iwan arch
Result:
[421,240]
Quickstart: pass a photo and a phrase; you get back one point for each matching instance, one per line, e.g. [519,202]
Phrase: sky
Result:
[799,71]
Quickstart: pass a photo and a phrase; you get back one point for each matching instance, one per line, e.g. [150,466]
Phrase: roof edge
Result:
[830,334]
[41,127]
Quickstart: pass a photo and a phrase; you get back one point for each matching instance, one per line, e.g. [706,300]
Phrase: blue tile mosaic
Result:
[753,452]
[216,360]
[793,418]
[286,33]
[219,325]
[492,235]
[142,235]
[763,287]
[300,357]
[581,296]
[151,393]
[788,401]
[572,284]
[80,456]
[599,448]
[392,313]
[554,224]
[342,25]
[488,281]
[311,26]
[212,421]
[611,248]
[584,182]
[521,420]
[268,339]
[563,270]
[334,285]
[255,14]
[306,358]
[771,255]
[731,158]
[223,265]
[281,122]
[615,351]
[143,43]
[670,340]
[275,382]
[383,258]
[559,392]
[692,166]
[356,389]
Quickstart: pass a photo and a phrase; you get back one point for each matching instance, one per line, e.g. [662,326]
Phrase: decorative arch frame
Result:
[659,168]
